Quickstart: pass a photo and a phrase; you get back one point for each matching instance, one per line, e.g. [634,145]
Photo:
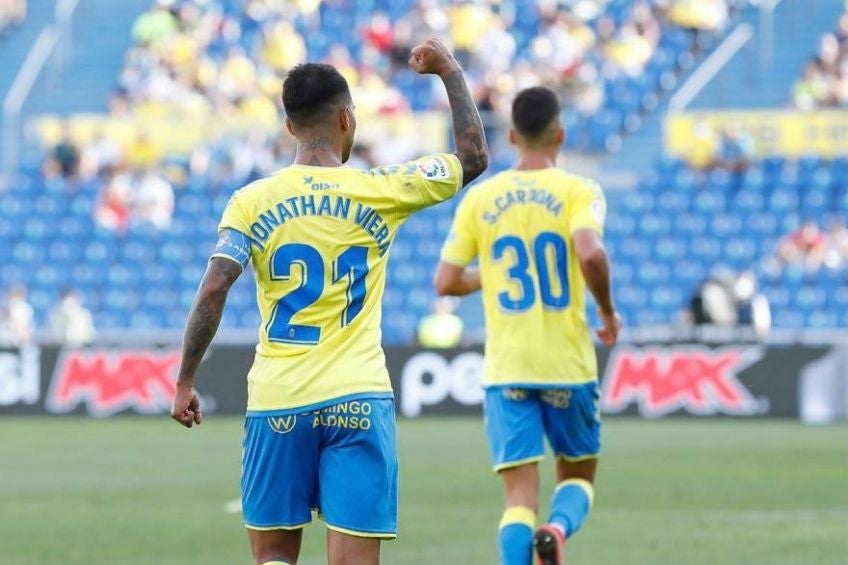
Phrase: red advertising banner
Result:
[650,381]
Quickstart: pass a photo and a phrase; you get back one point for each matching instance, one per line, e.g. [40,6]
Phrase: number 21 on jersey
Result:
[351,266]
[548,256]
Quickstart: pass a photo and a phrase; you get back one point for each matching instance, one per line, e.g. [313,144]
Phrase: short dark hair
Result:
[533,110]
[311,91]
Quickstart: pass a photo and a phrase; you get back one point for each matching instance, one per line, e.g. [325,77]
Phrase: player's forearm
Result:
[596,272]
[467,283]
[205,315]
[468,134]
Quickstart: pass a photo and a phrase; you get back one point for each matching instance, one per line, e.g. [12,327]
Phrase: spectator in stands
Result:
[282,47]
[829,55]
[209,56]
[12,13]
[836,253]
[17,323]
[825,81]
[71,323]
[494,51]
[806,246]
[155,26]
[237,74]
[112,210]
[379,33]
[736,147]
[119,104]
[752,307]
[629,50]
[714,302]
[812,90]
[469,21]
[443,328]
[143,153]
[66,154]
[152,200]
[100,154]
[708,15]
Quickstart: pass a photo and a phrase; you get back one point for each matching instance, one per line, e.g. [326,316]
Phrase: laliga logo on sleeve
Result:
[434,168]
[698,380]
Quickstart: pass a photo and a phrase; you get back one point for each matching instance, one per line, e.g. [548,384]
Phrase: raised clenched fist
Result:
[432,58]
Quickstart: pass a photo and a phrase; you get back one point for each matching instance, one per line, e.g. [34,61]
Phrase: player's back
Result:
[320,243]
[521,223]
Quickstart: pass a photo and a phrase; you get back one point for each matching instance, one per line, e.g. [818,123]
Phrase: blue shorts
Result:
[519,418]
[340,460]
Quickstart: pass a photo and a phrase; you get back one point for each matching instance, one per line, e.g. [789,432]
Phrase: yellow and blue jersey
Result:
[319,239]
[520,225]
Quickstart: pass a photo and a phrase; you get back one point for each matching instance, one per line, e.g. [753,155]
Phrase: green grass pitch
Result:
[683,492]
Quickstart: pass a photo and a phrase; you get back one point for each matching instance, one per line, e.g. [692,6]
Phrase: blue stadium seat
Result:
[709,203]
[822,319]
[749,200]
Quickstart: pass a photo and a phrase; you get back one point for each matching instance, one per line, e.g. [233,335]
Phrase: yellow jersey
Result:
[319,241]
[519,224]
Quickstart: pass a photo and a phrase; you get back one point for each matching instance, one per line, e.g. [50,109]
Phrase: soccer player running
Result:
[320,425]
[538,234]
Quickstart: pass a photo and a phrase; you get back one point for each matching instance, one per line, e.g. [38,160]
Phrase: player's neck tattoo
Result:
[318,151]
[319,144]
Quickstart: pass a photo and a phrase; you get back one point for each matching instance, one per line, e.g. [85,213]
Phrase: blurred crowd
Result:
[814,248]
[728,299]
[825,80]
[134,188]
[730,148]
[69,322]
[137,183]
[227,57]
[12,13]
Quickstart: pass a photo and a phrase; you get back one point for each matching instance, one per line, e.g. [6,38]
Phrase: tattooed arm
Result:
[203,321]
[432,57]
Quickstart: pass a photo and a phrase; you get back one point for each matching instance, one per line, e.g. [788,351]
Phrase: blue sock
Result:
[571,504]
[515,535]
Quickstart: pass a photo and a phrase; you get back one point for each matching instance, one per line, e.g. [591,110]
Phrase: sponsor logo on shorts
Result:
[698,380]
[558,398]
[353,415]
[515,394]
[282,424]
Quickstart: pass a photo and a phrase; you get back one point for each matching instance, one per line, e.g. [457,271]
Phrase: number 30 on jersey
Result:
[550,255]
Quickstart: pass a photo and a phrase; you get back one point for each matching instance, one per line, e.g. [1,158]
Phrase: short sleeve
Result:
[235,216]
[233,239]
[233,244]
[423,182]
[589,208]
[460,247]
